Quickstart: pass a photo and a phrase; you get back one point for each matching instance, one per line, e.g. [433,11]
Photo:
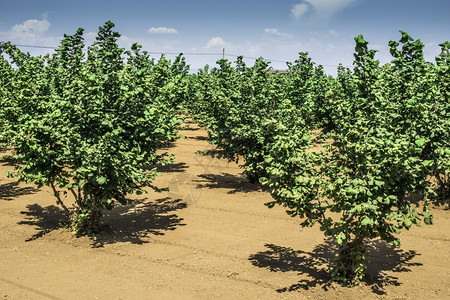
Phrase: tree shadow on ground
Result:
[188,120]
[136,222]
[6,160]
[443,204]
[11,190]
[173,168]
[132,223]
[213,153]
[234,183]
[442,198]
[44,219]
[169,168]
[169,146]
[199,138]
[381,257]
[189,128]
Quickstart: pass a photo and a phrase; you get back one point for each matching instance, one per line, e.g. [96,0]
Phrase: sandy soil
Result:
[209,236]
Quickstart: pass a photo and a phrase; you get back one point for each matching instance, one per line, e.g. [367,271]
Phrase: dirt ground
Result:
[209,236]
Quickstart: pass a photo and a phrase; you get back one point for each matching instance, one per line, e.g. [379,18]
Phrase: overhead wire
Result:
[187,54]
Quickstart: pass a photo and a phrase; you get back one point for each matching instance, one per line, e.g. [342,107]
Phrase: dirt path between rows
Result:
[209,236]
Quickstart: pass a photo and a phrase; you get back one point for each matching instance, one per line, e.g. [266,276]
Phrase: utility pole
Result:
[223,53]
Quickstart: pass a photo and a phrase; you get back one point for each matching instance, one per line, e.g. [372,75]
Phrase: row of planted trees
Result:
[358,154]
[88,122]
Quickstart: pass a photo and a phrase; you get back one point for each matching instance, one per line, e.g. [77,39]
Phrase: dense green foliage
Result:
[240,106]
[90,124]
[355,154]
[360,155]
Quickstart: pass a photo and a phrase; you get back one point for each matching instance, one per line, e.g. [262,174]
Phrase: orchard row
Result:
[370,147]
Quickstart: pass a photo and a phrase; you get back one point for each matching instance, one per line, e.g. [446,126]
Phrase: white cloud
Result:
[324,9]
[32,32]
[334,33]
[162,30]
[30,29]
[330,48]
[270,47]
[216,42]
[276,32]
[90,35]
[331,34]
[431,51]
[125,42]
[298,10]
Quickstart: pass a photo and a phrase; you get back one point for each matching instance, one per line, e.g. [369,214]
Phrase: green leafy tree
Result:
[306,87]
[379,158]
[240,104]
[93,126]
[236,100]
[440,137]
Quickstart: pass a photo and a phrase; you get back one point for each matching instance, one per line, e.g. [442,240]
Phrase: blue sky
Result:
[275,29]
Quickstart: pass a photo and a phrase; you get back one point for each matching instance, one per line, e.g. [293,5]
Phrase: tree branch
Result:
[59,201]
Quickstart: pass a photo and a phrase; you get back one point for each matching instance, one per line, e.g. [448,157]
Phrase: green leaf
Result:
[366,221]
[420,142]
[341,238]
[428,218]
[407,223]
[101,180]
[263,180]
[351,191]
[268,159]
[427,163]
